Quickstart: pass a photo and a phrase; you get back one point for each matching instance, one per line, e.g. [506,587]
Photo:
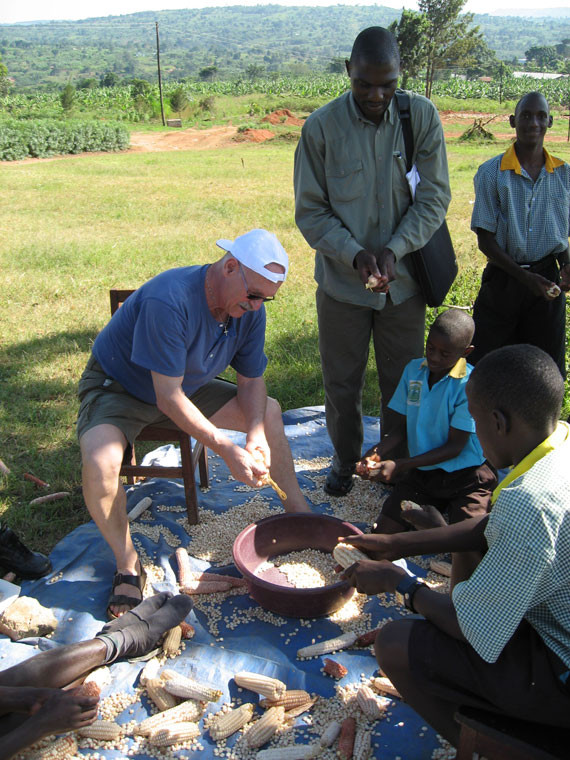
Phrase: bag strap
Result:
[403,103]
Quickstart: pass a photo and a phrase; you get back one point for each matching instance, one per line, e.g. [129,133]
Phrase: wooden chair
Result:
[496,737]
[163,432]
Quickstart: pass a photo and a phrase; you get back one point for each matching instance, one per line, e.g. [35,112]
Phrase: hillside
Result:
[222,42]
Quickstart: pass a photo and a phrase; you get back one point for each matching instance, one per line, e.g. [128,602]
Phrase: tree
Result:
[109,79]
[254,70]
[543,56]
[208,73]
[67,97]
[337,65]
[450,38]
[139,87]
[4,79]
[178,100]
[411,31]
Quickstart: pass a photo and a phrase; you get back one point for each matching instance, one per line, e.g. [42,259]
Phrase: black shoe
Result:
[17,558]
[338,485]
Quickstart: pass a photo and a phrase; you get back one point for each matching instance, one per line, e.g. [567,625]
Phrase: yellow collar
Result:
[511,161]
[458,370]
[560,435]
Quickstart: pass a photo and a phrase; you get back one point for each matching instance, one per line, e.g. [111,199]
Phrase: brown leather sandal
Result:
[138,581]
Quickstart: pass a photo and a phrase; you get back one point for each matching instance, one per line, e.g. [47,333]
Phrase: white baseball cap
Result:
[255,250]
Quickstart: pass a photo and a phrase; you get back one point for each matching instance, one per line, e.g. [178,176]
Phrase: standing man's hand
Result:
[565,278]
[368,266]
[541,286]
[387,264]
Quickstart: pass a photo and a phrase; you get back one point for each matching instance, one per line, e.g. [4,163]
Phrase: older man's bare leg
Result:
[230,417]
[102,449]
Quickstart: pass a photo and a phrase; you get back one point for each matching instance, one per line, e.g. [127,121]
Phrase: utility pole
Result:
[159,76]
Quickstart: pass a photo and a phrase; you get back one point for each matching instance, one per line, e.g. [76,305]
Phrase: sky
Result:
[12,11]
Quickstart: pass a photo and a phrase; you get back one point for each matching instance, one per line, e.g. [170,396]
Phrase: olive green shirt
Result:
[351,193]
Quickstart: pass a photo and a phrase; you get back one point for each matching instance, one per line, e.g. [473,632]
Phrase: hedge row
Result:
[45,137]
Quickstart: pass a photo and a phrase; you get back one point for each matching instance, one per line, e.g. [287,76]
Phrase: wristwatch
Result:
[406,589]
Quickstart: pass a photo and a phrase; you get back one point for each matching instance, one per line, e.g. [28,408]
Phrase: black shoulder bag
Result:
[434,266]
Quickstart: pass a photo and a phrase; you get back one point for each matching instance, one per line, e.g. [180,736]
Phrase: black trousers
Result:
[506,312]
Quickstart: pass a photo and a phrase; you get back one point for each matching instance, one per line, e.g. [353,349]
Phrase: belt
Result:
[537,266]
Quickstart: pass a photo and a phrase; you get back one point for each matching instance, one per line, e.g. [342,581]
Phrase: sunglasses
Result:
[253,296]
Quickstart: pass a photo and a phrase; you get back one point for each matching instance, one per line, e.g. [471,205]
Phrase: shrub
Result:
[45,137]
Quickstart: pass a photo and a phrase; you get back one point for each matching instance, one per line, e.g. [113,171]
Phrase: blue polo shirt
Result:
[431,412]
[166,326]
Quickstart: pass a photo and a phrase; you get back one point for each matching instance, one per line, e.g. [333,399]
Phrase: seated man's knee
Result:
[272,411]
[391,645]
[102,451]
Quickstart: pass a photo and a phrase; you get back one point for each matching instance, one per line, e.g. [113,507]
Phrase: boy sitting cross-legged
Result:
[501,641]
[446,466]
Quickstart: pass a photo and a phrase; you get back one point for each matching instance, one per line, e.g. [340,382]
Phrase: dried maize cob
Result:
[205,587]
[334,668]
[294,712]
[264,728]
[293,752]
[168,674]
[368,638]
[163,699]
[104,730]
[385,686]
[331,645]
[372,282]
[190,710]
[346,555]
[190,689]
[181,732]
[332,730]
[184,571]
[553,291]
[139,508]
[291,698]
[372,706]
[218,577]
[226,724]
[272,688]
[171,643]
[406,504]
[362,745]
[188,630]
[187,576]
[100,676]
[89,689]
[60,749]
[438,566]
[346,738]
[149,671]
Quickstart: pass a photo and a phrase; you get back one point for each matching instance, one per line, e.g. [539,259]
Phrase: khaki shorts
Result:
[104,401]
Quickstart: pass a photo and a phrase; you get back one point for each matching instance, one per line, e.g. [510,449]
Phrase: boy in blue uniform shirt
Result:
[446,467]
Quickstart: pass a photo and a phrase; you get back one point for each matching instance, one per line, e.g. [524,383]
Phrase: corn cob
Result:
[226,724]
[168,674]
[171,643]
[190,710]
[184,572]
[104,730]
[149,671]
[205,587]
[362,745]
[553,291]
[272,688]
[293,752]
[372,706]
[443,568]
[100,676]
[405,504]
[346,555]
[181,732]
[294,712]
[60,749]
[187,576]
[89,689]
[372,282]
[264,728]
[268,481]
[368,638]
[332,730]
[385,686]
[291,698]
[346,738]
[343,641]
[162,698]
[139,508]
[334,669]
[190,689]
[188,630]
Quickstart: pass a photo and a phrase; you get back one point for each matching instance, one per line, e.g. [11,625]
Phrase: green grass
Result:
[75,227]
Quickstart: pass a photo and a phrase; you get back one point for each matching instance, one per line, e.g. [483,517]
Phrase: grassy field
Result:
[72,228]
